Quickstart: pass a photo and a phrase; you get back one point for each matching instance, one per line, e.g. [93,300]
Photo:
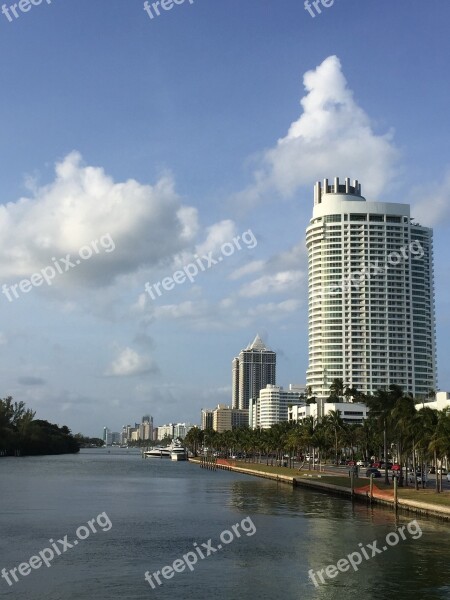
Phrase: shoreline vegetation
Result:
[422,501]
[23,435]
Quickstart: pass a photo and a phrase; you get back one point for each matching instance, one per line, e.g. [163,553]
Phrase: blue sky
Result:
[173,136]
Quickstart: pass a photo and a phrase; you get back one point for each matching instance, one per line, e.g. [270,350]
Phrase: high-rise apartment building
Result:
[252,370]
[371,294]
[271,407]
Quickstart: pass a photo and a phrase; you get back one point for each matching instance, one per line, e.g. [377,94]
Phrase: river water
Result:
[156,510]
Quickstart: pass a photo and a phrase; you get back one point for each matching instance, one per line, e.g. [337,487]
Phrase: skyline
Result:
[173,142]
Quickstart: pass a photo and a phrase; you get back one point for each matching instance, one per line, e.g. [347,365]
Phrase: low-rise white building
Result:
[442,402]
[350,412]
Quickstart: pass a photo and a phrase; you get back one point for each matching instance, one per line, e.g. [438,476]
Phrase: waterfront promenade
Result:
[424,502]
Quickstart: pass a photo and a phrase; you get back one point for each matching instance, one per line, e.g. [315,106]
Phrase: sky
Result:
[136,151]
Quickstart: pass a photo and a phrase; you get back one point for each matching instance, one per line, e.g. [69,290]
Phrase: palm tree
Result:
[350,436]
[405,428]
[333,421]
[381,406]
[194,439]
[336,390]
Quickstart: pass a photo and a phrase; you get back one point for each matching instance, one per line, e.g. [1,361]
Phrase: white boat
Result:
[158,452]
[178,453]
[175,451]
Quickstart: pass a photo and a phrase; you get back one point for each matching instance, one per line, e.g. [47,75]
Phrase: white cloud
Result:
[249,269]
[332,137]
[432,204]
[147,223]
[129,362]
[216,235]
[279,283]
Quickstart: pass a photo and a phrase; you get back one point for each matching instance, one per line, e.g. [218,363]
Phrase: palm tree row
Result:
[317,440]
[393,429]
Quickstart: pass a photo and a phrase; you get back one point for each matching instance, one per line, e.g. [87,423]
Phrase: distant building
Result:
[165,431]
[350,412]
[146,428]
[207,418]
[115,437]
[124,435]
[271,407]
[180,430]
[107,438]
[226,418]
[251,371]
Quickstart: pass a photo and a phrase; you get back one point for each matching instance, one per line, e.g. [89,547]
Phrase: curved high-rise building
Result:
[371,294]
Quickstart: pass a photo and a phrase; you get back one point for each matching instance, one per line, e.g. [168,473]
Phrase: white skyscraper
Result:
[371,294]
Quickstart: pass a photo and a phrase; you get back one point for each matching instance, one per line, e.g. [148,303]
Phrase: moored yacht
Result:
[158,452]
[178,453]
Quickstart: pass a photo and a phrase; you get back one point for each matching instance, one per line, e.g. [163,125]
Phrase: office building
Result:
[371,294]
[251,371]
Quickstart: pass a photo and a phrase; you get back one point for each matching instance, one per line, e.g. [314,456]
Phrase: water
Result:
[158,509]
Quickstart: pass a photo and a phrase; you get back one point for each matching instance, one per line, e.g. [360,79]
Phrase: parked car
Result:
[420,478]
[444,471]
[379,464]
[373,471]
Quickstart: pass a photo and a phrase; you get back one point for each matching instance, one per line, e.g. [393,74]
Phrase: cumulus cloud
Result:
[431,205]
[148,224]
[215,235]
[333,136]
[129,363]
